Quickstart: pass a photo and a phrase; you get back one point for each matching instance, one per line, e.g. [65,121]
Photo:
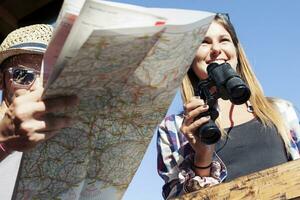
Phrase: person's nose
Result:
[215,50]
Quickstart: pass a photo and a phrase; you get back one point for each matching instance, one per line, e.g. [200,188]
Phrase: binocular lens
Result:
[209,133]
[239,93]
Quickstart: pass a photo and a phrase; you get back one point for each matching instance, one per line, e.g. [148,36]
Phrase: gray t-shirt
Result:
[251,147]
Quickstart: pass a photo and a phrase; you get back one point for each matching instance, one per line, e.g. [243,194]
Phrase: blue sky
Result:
[269,31]
[270,34]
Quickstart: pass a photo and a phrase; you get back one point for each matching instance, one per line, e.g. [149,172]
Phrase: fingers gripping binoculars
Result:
[222,82]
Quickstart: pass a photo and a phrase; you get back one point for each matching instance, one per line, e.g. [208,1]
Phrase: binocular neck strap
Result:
[231,115]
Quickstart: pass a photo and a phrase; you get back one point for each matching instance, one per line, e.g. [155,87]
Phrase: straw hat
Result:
[30,39]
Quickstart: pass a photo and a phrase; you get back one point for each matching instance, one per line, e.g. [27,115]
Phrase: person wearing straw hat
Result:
[27,120]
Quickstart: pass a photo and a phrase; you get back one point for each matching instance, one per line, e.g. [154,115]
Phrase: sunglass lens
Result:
[23,76]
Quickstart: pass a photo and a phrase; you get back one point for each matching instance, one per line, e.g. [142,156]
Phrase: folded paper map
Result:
[125,63]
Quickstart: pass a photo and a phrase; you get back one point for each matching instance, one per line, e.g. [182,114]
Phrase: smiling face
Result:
[218,47]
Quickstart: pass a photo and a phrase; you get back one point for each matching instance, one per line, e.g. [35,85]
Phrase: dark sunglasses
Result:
[22,76]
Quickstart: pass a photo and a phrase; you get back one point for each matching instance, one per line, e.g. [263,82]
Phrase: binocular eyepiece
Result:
[229,85]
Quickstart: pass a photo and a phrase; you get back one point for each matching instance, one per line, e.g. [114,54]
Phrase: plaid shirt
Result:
[174,152]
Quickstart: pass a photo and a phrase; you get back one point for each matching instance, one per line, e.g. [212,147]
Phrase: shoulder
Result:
[282,105]
[287,112]
[170,126]
[291,121]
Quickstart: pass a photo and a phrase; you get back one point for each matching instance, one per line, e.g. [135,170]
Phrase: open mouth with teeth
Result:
[219,61]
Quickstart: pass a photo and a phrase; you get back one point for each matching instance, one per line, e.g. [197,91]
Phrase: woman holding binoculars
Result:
[256,132]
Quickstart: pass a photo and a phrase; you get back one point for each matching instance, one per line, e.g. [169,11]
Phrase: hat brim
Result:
[16,51]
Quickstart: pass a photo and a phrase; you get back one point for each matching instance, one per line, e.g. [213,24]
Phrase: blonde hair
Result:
[264,108]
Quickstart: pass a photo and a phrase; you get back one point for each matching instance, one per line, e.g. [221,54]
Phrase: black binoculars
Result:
[227,85]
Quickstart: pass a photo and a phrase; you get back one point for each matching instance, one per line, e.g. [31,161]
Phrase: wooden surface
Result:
[280,182]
